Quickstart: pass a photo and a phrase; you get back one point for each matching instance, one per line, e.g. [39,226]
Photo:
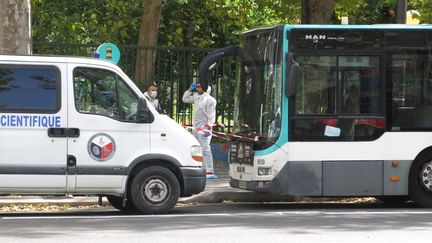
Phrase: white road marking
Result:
[259,214]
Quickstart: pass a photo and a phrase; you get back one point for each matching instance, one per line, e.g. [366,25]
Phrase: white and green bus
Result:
[333,110]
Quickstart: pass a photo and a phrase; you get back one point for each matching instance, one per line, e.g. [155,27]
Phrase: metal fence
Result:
[175,69]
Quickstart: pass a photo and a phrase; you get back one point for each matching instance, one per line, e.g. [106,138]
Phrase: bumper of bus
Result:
[194,180]
[277,186]
[257,186]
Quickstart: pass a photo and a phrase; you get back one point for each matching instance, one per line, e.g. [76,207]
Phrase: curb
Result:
[35,201]
[235,196]
[204,197]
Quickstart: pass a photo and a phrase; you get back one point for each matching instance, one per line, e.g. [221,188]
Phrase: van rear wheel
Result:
[155,190]
[420,181]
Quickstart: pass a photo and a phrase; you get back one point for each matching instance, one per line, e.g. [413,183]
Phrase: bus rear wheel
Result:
[155,190]
[420,181]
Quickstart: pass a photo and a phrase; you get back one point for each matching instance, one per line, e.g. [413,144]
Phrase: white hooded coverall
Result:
[205,114]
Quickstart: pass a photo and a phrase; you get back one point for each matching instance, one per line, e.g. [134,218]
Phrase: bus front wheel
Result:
[155,190]
[420,181]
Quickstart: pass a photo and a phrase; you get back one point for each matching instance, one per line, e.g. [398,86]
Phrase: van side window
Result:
[29,88]
[102,92]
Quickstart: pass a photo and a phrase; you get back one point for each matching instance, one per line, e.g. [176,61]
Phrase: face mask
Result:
[153,94]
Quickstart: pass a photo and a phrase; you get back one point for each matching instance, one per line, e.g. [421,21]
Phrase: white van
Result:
[80,126]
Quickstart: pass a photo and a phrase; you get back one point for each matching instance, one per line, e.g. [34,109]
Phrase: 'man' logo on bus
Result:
[315,37]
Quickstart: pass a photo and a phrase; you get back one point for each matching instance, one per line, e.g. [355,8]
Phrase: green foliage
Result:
[208,23]
[198,23]
[379,11]
[218,23]
[424,7]
[347,8]
[86,21]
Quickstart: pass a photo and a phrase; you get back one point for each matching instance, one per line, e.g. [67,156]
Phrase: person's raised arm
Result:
[188,94]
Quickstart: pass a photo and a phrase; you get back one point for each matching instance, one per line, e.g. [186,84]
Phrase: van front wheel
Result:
[155,190]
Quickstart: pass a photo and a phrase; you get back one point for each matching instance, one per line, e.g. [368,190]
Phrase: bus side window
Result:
[329,107]
[411,76]
[351,103]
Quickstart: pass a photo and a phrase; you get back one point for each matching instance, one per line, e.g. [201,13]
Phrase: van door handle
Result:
[71,164]
[57,132]
[73,132]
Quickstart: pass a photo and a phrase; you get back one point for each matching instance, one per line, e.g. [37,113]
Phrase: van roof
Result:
[55,59]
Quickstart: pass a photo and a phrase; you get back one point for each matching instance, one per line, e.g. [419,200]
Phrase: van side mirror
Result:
[292,79]
[144,114]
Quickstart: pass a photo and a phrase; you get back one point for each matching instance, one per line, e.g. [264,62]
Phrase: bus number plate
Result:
[243,184]
[241,169]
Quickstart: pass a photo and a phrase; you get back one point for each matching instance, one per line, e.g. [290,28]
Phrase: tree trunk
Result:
[401,11]
[148,36]
[15,29]
[317,11]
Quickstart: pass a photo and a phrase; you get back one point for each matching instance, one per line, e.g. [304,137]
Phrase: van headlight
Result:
[196,153]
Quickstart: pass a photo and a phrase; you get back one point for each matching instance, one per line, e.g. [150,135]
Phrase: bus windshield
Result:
[259,89]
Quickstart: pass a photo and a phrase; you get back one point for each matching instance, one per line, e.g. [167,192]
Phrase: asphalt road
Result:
[262,223]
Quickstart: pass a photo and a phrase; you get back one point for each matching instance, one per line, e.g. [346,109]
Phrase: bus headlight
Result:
[196,153]
[263,171]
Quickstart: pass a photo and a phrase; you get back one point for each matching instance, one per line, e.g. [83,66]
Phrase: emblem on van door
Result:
[101,147]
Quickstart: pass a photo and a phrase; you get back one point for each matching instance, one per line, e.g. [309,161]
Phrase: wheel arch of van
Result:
[148,160]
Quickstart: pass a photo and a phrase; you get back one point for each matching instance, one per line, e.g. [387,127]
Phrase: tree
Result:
[218,23]
[380,11]
[15,28]
[401,11]
[148,36]
[317,11]
[86,21]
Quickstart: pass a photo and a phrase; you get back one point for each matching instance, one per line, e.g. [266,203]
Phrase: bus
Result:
[333,110]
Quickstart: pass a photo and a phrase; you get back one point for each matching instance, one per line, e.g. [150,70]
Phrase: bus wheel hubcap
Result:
[426,176]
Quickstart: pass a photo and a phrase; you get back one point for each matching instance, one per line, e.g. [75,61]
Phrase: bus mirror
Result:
[143,112]
[292,81]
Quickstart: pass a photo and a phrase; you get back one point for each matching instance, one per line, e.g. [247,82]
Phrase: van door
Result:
[105,137]
[33,119]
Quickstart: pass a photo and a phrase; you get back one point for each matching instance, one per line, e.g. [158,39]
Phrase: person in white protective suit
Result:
[204,117]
